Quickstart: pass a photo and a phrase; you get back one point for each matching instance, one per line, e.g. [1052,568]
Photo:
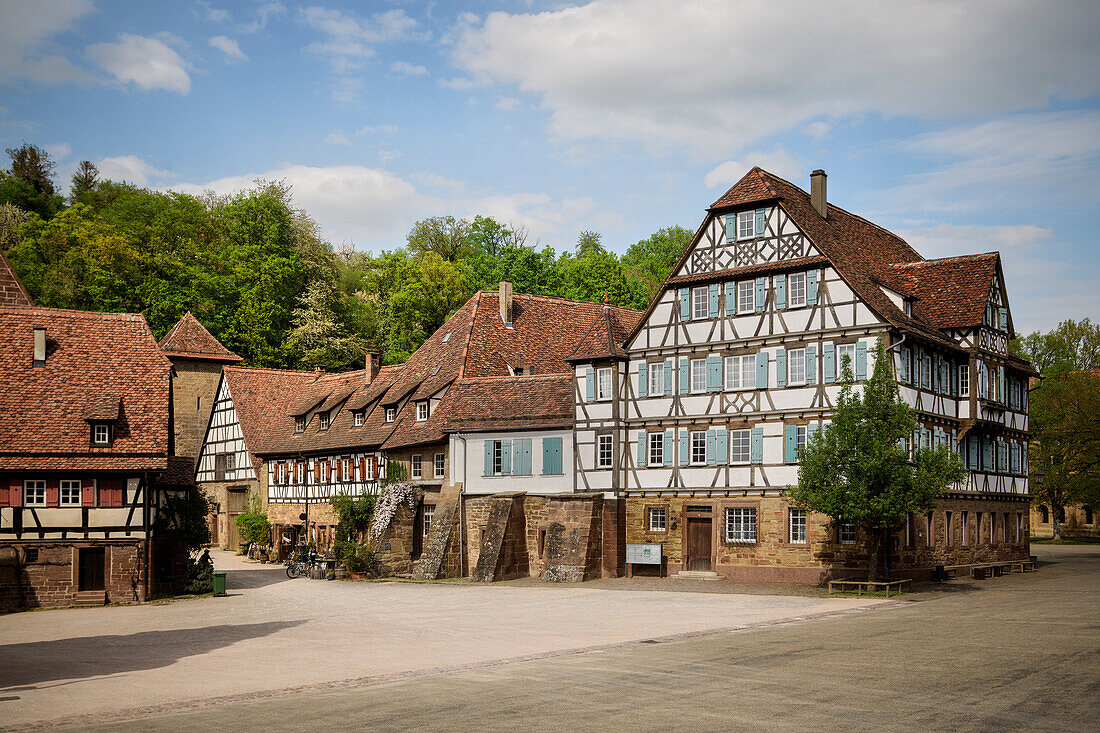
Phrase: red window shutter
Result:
[362,468]
[87,492]
[52,492]
[5,496]
[317,472]
[15,493]
[110,492]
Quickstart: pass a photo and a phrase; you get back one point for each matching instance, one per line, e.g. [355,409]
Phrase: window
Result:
[422,410]
[741,372]
[908,530]
[658,519]
[746,225]
[746,296]
[964,380]
[698,375]
[70,493]
[322,420]
[797,526]
[656,379]
[299,424]
[929,528]
[417,469]
[741,524]
[845,351]
[656,449]
[345,470]
[699,448]
[603,450]
[846,533]
[391,414]
[34,493]
[948,529]
[966,528]
[740,441]
[439,464]
[427,512]
[603,384]
[799,439]
[498,458]
[299,472]
[796,366]
[101,434]
[796,290]
[359,418]
[700,307]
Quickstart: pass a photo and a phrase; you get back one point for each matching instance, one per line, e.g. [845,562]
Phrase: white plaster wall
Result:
[536,483]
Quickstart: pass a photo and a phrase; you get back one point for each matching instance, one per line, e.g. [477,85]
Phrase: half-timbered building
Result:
[699,417]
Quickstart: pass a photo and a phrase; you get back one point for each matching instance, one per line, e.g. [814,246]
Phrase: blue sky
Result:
[962,126]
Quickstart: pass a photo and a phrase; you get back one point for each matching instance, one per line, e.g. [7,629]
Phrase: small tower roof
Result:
[189,339]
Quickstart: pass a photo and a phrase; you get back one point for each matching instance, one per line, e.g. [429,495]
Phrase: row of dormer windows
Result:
[738,297]
[359,417]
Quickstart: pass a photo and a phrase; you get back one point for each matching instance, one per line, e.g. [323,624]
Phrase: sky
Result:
[962,126]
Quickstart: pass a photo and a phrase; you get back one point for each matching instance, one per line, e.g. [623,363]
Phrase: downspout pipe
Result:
[462,561]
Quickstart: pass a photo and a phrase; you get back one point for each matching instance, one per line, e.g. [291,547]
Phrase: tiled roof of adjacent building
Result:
[951,292]
[605,336]
[189,339]
[98,366]
[509,403]
[12,291]
[260,398]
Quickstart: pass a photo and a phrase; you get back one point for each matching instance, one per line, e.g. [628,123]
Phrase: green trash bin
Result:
[219,582]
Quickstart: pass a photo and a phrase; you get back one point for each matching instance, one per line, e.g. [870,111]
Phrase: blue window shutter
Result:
[685,304]
[731,227]
[983,382]
[712,449]
[547,453]
[829,369]
[522,453]
[590,384]
[760,222]
[903,372]
[506,457]
[790,454]
[712,297]
[756,445]
[987,453]
[811,287]
[527,457]
[1002,317]
[731,298]
[685,378]
[762,370]
[722,447]
[557,453]
[1001,383]
[669,446]
[641,449]
[811,364]
[861,360]
[668,376]
[780,367]
[972,452]
[643,380]
[761,293]
[517,457]
[488,458]
[685,448]
[714,373]
[780,282]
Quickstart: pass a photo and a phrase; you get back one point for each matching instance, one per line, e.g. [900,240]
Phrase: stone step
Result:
[89,598]
[698,575]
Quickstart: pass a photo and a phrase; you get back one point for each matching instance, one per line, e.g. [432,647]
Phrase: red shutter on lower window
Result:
[362,468]
[52,492]
[111,492]
[87,492]
[15,493]
[5,496]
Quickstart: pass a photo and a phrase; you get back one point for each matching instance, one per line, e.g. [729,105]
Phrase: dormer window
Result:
[322,420]
[360,417]
[422,411]
[101,433]
[518,371]
[299,424]
[391,414]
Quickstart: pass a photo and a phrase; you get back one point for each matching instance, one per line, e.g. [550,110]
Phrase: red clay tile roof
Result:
[12,291]
[94,362]
[510,403]
[260,398]
[606,335]
[180,473]
[189,339]
[951,292]
[754,187]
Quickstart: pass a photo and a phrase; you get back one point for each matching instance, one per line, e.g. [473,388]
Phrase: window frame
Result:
[792,302]
[843,350]
[739,525]
[846,532]
[391,414]
[427,513]
[422,411]
[610,441]
[498,458]
[791,381]
[801,437]
[797,519]
[107,433]
[652,513]
[700,303]
[702,374]
[416,466]
[746,296]
[323,421]
[655,373]
[347,474]
[744,366]
[702,437]
[439,465]
[746,218]
[299,424]
[604,389]
[964,380]
[656,448]
[73,484]
[38,486]
[736,441]
[359,417]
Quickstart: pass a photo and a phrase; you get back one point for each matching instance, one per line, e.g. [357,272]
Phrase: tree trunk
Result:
[875,540]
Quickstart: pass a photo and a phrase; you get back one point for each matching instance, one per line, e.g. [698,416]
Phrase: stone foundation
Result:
[52,580]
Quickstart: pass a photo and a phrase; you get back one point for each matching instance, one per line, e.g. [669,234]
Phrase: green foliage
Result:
[1073,345]
[253,524]
[83,181]
[1065,447]
[649,261]
[184,518]
[857,470]
[353,515]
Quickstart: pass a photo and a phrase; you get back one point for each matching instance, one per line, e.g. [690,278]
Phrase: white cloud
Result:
[59,151]
[229,47]
[337,138]
[264,13]
[507,104]
[26,51]
[147,62]
[817,130]
[778,162]
[406,69]
[212,14]
[715,76]
[376,129]
[132,169]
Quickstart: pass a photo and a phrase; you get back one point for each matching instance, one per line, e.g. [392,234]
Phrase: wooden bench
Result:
[951,572]
[871,586]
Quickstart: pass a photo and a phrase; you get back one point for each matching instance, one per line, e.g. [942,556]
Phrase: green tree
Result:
[588,242]
[84,181]
[446,236]
[35,166]
[594,276]
[857,470]
[320,336]
[253,525]
[1072,345]
[650,261]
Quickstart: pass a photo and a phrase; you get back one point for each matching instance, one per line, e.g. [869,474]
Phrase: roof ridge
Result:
[953,258]
[119,316]
[525,377]
[469,334]
[558,298]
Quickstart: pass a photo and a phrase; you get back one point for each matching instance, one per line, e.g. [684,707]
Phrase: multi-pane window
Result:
[345,469]
[746,296]
[799,438]
[741,372]
[70,493]
[796,290]
[439,464]
[603,384]
[698,448]
[656,449]
[101,434]
[658,519]
[498,458]
[845,353]
[796,366]
[427,513]
[391,414]
[699,304]
[746,225]
[797,526]
[417,468]
[741,524]
[740,441]
[359,417]
[698,375]
[230,461]
[34,493]
[299,424]
[322,421]
[964,380]
[656,379]
[299,471]
[846,533]
[422,410]
[603,451]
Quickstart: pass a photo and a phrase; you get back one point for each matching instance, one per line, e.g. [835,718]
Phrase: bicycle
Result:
[297,568]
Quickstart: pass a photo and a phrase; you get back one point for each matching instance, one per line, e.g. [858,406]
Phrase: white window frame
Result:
[360,418]
[34,492]
[740,525]
[66,491]
[700,303]
[299,424]
[846,533]
[796,526]
[796,367]
[698,439]
[801,435]
[740,372]
[656,378]
[299,470]
[739,439]
[603,384]
[656,449]
[605,459]
[698,375]
[439,465]
[964,380]
[427,513]
[101,434]
[658,519]
[746,296]
[796,290]
[843,350]
[746,225]
[422,411]
[498,458]
[323,421]
[346,470]
[416,469]
[391,414]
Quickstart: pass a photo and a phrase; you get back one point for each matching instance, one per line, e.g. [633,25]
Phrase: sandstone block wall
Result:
[52,580]
[194,388]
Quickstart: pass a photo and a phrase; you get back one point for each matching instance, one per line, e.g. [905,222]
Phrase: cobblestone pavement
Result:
[81,666]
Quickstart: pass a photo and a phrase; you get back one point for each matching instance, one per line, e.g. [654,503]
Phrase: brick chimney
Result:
[817,193]
[39,347]
[506,302]
[374,363]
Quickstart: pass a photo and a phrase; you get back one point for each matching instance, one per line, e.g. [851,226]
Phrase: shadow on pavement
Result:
[42,661]
[256,578]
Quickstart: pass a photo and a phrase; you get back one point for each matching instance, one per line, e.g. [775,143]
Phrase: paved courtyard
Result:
[272,633]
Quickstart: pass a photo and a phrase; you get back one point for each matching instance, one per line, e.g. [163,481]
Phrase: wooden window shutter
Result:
[712,300]
[760,222]
[668,376]
[756,445]
[52,492]
[731,227]
[829,369]
[685,304]
[714,373]
[362,469]
[780,367]
[861,360]
[87,492]
[643,379]
[761,293]
[712,447]
[811,364]
[790,451]
[762,370]
[667,447]
[488,458]
[722,447]
[685,448]
[685,377]
[811,287]
[780,282]
[506,457]
[731,298]
[641,449]
[590,383]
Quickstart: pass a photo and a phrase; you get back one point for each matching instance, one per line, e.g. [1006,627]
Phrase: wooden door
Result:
[698,531]
[93,561]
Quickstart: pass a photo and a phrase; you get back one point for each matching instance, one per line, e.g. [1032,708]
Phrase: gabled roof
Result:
[606,335]
[952,292]
[260,398]
[12,291]
[754,187]
[189,339]
[98,366]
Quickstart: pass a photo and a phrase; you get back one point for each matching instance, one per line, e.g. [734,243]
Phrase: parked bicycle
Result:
[297,568]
